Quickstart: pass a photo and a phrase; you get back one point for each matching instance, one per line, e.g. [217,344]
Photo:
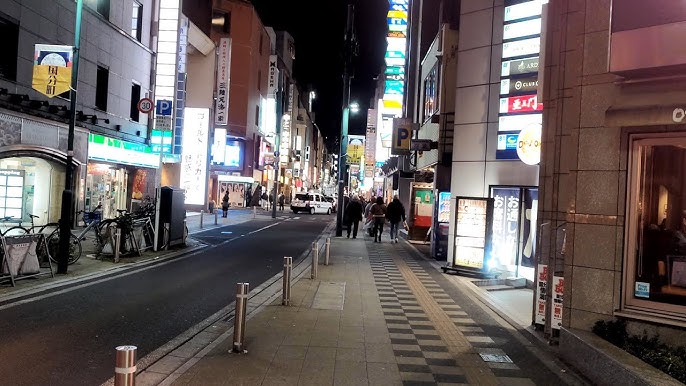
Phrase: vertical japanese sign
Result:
[194,156]
[505,241]
[52,69]
[355,149]
[272,82]
[370,152]
[529,224]
[558,291]
[221,110]
[541,292]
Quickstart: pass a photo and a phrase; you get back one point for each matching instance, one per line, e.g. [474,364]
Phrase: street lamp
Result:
[342,161]
[348,54]
[354,107]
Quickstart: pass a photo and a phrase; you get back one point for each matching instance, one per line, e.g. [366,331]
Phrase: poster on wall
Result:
[443,207]
[423,207]
[505,239]
[558,291]
[236,192]
[541,292]
[138,188]
[529,225]
[472,230]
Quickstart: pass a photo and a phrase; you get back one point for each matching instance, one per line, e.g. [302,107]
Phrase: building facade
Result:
[114,163]
[612,184]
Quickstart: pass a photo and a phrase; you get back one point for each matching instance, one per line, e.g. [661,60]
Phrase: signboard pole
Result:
[158,190]
[349,48]
[277,141]
[68,193]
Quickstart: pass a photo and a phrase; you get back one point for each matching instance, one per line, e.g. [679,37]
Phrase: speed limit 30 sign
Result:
[146,105]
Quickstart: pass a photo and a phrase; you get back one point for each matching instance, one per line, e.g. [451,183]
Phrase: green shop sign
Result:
[102,148]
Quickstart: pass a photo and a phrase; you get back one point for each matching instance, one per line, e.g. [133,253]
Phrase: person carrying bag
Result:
[378,214]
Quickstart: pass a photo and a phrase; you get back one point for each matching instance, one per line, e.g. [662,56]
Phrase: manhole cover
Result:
[497,358]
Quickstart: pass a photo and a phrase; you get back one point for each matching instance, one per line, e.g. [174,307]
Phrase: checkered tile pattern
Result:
[421,354]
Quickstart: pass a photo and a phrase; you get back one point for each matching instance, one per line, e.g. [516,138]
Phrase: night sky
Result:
[318,28]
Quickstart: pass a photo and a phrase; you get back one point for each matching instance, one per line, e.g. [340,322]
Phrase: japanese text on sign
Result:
[223,78]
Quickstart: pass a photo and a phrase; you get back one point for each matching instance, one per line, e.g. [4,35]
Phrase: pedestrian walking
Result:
[353,213]
[225,204]
[369,222]
[378,214]
[395,213]
[282,201]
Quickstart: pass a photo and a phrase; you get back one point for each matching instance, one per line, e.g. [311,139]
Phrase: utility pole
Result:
[348,52]
[68,193]
[277,140]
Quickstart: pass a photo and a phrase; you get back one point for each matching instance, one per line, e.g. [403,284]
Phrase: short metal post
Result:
[315,260]
[201,214]
[216,212]
[125,366]
[239,319]
[254,212]
[328,250]
[165,240]
[117,241]
[286,292]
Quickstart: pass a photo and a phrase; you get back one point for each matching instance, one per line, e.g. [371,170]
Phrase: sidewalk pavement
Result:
[379,314]
[89,267]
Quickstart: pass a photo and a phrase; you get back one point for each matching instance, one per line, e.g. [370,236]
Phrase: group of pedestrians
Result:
[375,213]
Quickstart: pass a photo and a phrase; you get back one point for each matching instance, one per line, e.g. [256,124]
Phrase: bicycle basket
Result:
[89,217]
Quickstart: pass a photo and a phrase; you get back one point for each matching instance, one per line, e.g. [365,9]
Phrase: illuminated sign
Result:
[273,74]
[529,144]
[523,10]
[518,122]
[507,142]
[108,149]
[355,149]
[394,87]
[402,136]
[221,111]
[194,155]
[395,70]
[515,86]
[167,49]
[520,104]
[163,139]
[521,47]
[218,146]
[393,14]
[396,44]
[519,66]
[521,29]
[505,237]
[471,231]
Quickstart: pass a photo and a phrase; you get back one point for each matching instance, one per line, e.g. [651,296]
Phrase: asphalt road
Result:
[69,339]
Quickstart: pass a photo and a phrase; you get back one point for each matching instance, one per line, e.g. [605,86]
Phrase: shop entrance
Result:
[106,185]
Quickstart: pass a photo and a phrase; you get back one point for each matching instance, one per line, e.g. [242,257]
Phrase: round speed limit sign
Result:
[146,105]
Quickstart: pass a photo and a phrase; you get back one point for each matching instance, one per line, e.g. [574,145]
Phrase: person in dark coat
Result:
[225,204]
[395,213]
[378,213]
[353,212]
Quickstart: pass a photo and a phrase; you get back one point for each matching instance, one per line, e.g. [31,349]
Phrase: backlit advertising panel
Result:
[194,155]
[472,232]
[520,104]
[523,10]
[522,28]
[518,122]
[521,47]
[519,66]
[520,85]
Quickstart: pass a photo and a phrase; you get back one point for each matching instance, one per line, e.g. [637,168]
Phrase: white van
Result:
[311,203]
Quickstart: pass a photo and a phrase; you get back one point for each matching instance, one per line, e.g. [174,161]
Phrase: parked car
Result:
[333,202]
[311,203]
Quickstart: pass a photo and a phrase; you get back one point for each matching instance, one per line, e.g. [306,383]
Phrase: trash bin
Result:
[172,215]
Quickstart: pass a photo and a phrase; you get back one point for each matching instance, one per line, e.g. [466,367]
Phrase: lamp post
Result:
[68,193]
[348,53]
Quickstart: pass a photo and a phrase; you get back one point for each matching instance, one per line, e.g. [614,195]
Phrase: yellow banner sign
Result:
[51,80]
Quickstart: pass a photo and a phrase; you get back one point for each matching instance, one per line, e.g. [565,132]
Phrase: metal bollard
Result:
[315,260]
[216,212]
[328,250]
[125,366]
[239,318]
[254,212]
[117,241]
[201,214]
[286,292]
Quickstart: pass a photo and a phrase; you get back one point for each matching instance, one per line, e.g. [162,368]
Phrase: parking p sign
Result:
[164,107]
[402,136]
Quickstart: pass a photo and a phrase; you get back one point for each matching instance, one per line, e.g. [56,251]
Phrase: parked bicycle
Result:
[92,221]
[136,232]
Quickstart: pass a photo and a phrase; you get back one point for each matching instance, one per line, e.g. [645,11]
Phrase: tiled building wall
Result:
[583,177]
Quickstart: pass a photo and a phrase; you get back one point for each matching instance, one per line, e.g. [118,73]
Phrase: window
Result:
[8,46]
[257,115]
[655,278]
[135,98]
[137,20]
[103,8]
[431,94]
[101,88]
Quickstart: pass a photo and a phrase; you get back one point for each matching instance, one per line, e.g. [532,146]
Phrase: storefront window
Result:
[656,231]
[30,185]
[106,185]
